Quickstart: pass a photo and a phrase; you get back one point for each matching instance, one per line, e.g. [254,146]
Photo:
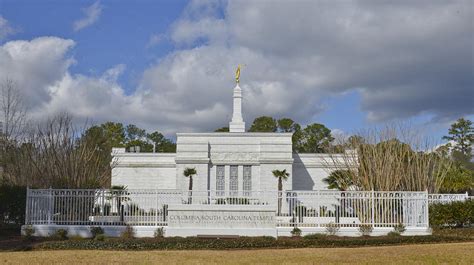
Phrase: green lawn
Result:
[454,253]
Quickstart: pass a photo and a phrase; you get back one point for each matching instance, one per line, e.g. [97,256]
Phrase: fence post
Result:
[427,210]
[156,208]
[27,205]
[50,205]
[373,207]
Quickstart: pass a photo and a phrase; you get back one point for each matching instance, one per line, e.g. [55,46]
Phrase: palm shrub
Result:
[340,179]
[366,230]
[96,230]
[189,173]
[280,175]
[399,228]
[29,231]
[296,232]
[60,234]
[159,232]
[128,233]
[332,229]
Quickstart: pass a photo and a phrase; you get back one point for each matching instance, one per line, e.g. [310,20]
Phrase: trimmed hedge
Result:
[454,214]
[193,243]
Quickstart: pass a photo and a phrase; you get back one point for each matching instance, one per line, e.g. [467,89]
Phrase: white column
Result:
[237,124]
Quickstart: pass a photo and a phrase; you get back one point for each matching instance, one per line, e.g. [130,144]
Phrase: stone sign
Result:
[243,220]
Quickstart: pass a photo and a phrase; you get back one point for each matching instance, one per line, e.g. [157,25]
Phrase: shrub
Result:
[194,243]
[128,233]
[13,203]
[29,232]
[393,234]
[366,230]
[332,229]
[399,228]
[60,234]
[314,236]
[100,237]
[96,230]
[454,214]
[159,232]
[296,232]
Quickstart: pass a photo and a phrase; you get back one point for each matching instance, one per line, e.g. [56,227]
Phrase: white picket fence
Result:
[105,207]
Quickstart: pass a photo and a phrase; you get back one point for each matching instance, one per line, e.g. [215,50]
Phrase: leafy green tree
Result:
[316,138]
[134,133]
[462,133]
[458,179]
[115,133]
[264,124]
[288,125]
[280,175]
[222,129]
[162,144]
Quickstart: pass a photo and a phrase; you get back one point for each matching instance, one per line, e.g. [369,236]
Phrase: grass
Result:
[454,253]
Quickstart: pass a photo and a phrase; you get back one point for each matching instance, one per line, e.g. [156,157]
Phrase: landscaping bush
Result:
[29,232]
[99,237]
[13,203]
[194,243]
[393,234]
[128,233]
[96,230]
[296,232]
[159,232]
[366,230]
[332,229]
[454,214]
[314,236]
[60,234]
[399,228]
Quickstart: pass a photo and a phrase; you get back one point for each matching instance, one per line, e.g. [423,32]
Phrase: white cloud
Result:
[403,59]
[91,15]
[155,39]
[5,28]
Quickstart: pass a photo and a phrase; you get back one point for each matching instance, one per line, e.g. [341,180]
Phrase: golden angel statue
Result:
[237,74]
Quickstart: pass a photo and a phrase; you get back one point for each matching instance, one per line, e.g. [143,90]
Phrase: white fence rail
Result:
[447,198]
[103,207]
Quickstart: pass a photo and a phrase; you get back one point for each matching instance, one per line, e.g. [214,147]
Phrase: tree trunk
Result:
[190,193]
[280,187]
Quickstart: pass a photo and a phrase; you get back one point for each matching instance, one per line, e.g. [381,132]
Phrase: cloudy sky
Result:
[169,65]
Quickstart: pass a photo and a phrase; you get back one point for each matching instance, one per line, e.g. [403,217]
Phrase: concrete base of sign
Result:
[84,230]
[354,231]
[148,231]
[223,232]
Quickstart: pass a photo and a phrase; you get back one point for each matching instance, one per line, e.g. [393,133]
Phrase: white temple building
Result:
[234,193]
[224,161]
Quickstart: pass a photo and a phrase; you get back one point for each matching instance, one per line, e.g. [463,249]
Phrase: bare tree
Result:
[13,110]
[57,154]
[395,157]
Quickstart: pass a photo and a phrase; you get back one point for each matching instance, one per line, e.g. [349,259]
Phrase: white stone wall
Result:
[265,152]
[144,170]
[309,170]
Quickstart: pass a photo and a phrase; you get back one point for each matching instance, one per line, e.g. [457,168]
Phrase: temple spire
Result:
[237,123]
